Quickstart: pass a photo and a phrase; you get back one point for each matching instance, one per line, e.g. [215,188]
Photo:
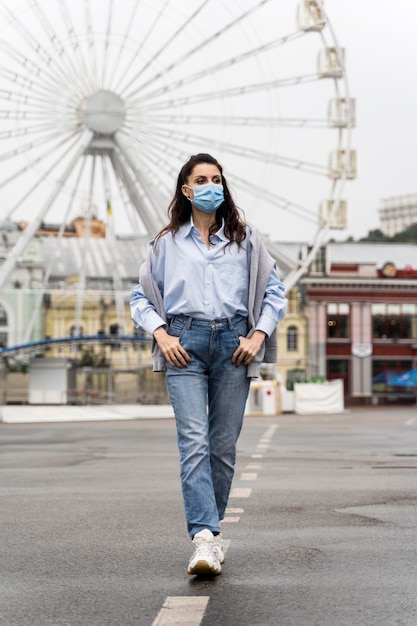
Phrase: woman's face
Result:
[201,174]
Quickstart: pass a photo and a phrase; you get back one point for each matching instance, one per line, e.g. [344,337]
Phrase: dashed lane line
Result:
[182,611]
[189,610]
[248,476]
[240,492]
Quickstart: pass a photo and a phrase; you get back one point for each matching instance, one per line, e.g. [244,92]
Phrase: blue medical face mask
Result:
[208,197]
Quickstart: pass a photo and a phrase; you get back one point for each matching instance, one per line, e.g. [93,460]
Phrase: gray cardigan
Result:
[261,267]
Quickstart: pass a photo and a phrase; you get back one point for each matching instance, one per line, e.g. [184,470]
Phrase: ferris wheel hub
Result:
[103,112]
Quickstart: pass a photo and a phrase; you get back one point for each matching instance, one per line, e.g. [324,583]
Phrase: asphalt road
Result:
[322,525]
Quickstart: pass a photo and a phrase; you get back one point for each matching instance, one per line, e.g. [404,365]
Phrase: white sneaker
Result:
[204,559]
[219,544]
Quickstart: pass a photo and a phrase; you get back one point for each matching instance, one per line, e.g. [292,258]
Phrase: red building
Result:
[362,307]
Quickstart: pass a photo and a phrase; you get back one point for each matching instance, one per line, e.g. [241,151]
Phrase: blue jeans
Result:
[208,398]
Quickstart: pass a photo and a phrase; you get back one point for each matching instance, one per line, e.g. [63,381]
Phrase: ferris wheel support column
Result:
[15,254]
[155,198]
[151,222]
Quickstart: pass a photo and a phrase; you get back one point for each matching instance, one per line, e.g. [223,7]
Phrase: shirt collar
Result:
[187,229]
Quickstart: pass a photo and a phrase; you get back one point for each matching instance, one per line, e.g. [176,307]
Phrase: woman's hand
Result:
[248,348]
[171,348]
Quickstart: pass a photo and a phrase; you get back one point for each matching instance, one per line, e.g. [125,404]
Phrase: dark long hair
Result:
[179,209]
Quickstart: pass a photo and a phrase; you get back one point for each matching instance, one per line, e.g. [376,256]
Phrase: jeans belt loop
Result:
[188,321]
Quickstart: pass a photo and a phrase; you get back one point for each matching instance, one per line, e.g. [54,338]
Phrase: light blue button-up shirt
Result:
[205,283]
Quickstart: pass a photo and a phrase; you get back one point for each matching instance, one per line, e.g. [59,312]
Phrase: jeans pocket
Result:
[240,329]
[176,329]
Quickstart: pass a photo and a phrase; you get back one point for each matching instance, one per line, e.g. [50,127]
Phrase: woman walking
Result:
[211,298]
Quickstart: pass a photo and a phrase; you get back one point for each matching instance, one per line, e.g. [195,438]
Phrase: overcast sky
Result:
[381,52]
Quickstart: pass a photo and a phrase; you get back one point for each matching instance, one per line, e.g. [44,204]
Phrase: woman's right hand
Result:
[171,348]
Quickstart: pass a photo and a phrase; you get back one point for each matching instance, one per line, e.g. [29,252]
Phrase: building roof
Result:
[401,254]
[68,255]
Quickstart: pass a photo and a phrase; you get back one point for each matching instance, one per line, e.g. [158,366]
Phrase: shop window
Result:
[339,368]
[338,321]
[292,339]
[394,321]
[385,369]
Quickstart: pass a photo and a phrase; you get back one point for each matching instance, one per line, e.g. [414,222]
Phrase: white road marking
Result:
[248,476]
[240,492]
[271,430]
[182,611]
[189,610]
[411,421]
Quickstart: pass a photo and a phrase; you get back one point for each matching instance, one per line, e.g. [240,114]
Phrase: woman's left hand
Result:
[248,348]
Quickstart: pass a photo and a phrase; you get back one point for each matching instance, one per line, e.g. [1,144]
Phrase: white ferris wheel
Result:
[101,101]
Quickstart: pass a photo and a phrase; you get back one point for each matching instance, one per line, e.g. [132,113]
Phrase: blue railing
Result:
[78,339]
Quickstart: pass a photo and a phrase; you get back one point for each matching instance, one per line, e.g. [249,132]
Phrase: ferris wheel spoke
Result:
[107,43]
[37,48]
[232,92]
[233,120]
[30,86]
[7,213]
[168,150]
[38,159]
[50,82]
[23,148]
[276,200]
[84,73]
[63,60]
[162,150]
[214,69]
[243,151]
[31,116]
[91,43]
[142,43]
[162,153]
[25,131]
[202,44]
[11,96]
[164,45]
[159,159]
[22,243]
[122,47]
